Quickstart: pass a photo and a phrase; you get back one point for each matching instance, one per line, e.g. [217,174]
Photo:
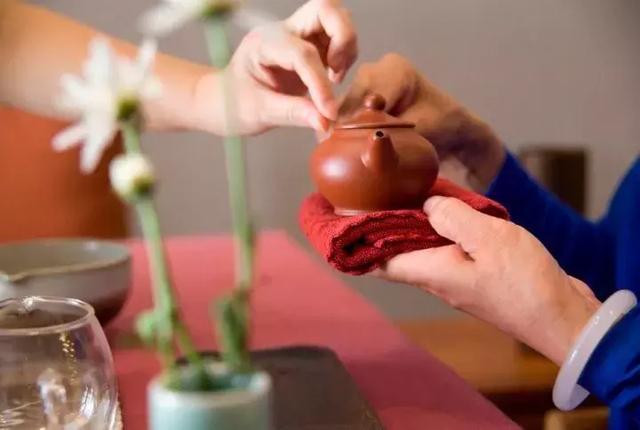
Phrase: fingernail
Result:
[321,135]
[431,203]
[320,123]
[337,77]
[331,105]
[333,76]
[324,123]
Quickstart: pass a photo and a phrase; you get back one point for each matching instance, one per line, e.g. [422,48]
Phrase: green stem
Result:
[220,54]
[163,294]
[131,136]
[233,317]
[233,310]
[166,312]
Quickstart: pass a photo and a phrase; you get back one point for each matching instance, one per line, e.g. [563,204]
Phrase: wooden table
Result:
[516,379]
[299,301]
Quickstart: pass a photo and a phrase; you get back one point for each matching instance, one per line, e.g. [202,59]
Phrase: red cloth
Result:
[359,244]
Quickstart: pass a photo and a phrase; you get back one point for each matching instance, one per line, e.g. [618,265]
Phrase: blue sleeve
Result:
[613,371]
[583,248]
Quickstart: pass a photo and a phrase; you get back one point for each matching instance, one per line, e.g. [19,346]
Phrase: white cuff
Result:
[567,393]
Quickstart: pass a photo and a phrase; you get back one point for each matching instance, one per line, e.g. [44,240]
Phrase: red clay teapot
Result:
[374,162]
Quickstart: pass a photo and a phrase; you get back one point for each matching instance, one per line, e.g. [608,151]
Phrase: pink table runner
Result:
[298,301]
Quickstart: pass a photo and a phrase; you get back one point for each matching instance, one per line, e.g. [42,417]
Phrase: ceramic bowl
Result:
[94,271]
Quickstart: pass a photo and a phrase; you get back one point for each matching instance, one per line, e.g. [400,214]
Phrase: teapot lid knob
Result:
[372,115]
[375,102]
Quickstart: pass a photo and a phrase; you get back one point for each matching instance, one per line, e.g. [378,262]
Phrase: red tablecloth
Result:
[298,301]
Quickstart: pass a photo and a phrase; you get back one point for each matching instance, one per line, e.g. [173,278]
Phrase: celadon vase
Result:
[247,407]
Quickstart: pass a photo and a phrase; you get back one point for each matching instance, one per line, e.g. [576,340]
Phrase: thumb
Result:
[460,223]
[434,268]
[285,110]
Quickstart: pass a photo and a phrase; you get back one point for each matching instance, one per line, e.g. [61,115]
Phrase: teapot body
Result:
[361,170]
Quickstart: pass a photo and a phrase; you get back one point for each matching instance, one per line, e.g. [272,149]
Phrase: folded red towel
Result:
[359,244]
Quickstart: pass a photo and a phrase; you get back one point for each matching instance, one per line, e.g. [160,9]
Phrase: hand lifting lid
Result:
[374,162]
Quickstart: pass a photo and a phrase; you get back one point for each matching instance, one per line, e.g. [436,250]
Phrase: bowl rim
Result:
[68,268]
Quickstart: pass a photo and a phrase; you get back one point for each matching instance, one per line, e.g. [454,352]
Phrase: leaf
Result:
[147,327]
[233,330]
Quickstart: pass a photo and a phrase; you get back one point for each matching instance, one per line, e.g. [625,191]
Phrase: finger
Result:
[301,57]
[338,77]
[343,47]
[395,79]
[354,97]
[459,222]
[392,77]
[284,110]
[436,269]
[330,18]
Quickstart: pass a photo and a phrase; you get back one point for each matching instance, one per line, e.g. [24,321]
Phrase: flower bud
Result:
[132,176]
[220,8]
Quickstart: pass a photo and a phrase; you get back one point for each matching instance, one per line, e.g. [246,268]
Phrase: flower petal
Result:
[129,78]
[151,89]
[164,19]
[248,19]
[75,94]
[73,86]
[69,137]
[147,55]
[98,69]
[101,133]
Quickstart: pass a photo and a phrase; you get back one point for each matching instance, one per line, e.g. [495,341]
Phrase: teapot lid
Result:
[372,115]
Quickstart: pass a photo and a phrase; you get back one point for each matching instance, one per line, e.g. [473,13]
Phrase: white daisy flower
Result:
[169,15]
[131,175]
[110,89]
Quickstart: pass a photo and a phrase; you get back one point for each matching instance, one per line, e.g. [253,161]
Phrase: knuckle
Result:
[325,4]
[444,209]
[454,299]
[395,58]
[291,114]
[254,35]
[512,232]
[454,302]
[349,35]
[307,51]
[364,71]
[504,234]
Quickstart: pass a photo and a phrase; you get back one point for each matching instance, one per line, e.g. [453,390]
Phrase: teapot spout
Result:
[380,156]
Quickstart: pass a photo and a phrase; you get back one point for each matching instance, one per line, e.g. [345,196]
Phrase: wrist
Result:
[475,145]
[567,393]
[207,103]
[568,326]
[177,108]
[572,313]
[482,153]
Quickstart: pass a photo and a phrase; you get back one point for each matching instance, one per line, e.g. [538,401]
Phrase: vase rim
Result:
[258,387]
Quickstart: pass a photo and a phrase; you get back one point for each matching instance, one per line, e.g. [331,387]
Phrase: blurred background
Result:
[546,74]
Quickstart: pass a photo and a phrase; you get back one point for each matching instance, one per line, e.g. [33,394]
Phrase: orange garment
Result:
[43,193]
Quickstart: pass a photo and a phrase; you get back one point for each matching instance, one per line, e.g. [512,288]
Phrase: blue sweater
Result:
[605,255]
